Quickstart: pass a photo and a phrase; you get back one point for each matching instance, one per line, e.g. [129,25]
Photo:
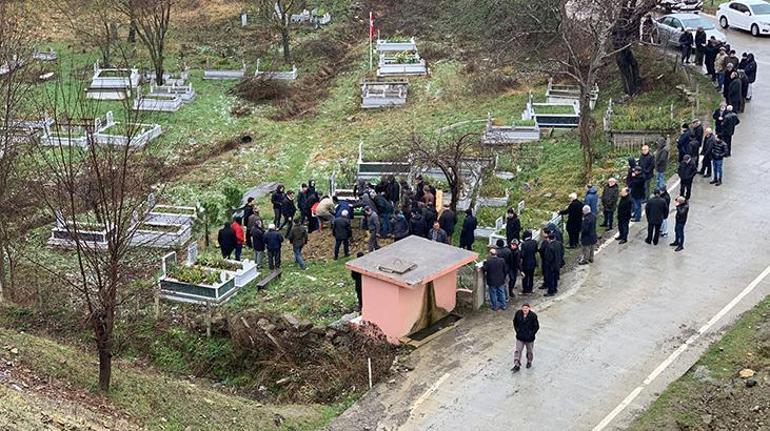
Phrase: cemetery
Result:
[135,135]
[112,84]
[565,93]
[280,75]
[518,131]
[383,94]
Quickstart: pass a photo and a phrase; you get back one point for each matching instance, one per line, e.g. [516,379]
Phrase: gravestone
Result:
[151,200]
[168,263]
[192,253]
[520,207]
[60,223]
[244,19]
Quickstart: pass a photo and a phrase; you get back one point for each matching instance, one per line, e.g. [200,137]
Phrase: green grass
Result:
[555,109]
[739,348]
[156,401]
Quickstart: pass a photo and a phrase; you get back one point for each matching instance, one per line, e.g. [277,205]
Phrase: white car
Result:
[750,15]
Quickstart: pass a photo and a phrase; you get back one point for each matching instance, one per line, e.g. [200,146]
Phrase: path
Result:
[615,340]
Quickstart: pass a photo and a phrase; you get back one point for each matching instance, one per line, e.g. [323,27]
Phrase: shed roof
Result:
[412,261]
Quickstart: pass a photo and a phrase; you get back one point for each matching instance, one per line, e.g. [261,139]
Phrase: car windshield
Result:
[694,23]
[761,9]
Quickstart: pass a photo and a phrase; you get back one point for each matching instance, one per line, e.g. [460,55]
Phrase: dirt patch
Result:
[321,244]
[305,363]
[260,90]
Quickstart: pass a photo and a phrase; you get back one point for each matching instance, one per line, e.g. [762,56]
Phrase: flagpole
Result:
[371,35]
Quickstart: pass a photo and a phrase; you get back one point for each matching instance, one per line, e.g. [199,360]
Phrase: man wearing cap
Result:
[526,325]
[588,236]
[273,241]
[609,202]
[729,123]
[342,232]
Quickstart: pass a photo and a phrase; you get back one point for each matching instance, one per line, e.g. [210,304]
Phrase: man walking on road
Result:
[528,262]
[682,210]
[588,237]
[526,325]
[686,171]
[624,216]
[609,202]
[656,213]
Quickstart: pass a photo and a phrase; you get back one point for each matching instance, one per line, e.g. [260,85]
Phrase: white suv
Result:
[751,15]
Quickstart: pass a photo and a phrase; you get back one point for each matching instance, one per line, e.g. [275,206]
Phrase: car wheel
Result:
[723,22]
[755,30]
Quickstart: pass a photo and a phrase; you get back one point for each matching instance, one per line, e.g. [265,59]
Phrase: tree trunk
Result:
[454,187]
[132,33]
[286,44]
[103,326]
[629,71]
[105,369]
[585,129]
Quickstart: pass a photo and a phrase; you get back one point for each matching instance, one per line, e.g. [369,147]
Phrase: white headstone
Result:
[192,253]
[244,19]
[151,201]
[60,223]
[520,207]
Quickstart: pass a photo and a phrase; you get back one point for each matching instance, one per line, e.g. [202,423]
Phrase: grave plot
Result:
[563,93]
[69,232]
[157,102]
[210,281]
[383,94]
[396,44]
[75,132]
[628,127]
[401,63]
[223,75]
[161,235]
[497,132]
[132,134]
[112,84]
[368,170]
[45,56]
[184,91]
[316,17]
[552,115]
[280,75]
[171,214]
[171,79]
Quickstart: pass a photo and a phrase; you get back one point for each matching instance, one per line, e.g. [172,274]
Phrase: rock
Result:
[208,401]
[305,325]
[262,323]
[756,409]
[548,195]
[14,351]
[746,373]
[707,419]
[750,383]
[291,320]
[283,381]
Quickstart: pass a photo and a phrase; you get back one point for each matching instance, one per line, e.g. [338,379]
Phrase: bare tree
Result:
[93,22]
[150,20]
[453,154]
[278,14]
[98,192]
[625,34]
[15,136]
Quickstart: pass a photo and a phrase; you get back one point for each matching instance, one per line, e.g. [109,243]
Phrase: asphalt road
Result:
[626,327]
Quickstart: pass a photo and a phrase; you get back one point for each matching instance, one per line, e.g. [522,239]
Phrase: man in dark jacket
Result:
[636,187]
[708,143]
[495,272]
[574,213]
[700,45]
[683,143]
[719,117]
[696,140]
[373,225]
[718,153]
[609,202]
[302,199]
[257,235]
[448,220]
[298,238]
[528,262]
[342,232]
[686,172]
[526,325]
[588,237]
[400,226]
[553,261]
[735,93]
[647,163]
[624,216]
[685,44]
[751,73]
[227,240]
[417,225]
[393,191]
[504,252]
[514,266]
[728,128]
[273,241]
[468,232]
[661,162]
[682,211]
[437,234]
[288,210]
[385,210]
[656,213]
[512,226]
[277,200]
[710,56]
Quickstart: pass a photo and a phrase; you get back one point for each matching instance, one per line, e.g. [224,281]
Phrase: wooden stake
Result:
[370,372]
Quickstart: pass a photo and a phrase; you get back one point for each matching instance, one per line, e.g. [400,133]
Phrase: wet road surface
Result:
[612,342]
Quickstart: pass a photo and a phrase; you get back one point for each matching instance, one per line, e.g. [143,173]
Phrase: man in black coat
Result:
[708,143]
[468,233]
[495,272]
[647,163]
[448,220]
[710,56]
[700,45]
[729,123]
[696,140]
[504,252]
[342,232]
[257,235]
[553,261]
[227,240]
[719,117]
[636,187]
[735,93]
[512,226]
[609,202]
[273,241]
[288,209]
[656,213]
[277,200]
[302,199]
[624,216]
[574,213]
[514,267]
[526,325]
[686,171]
[528,262]
[718,153]
[417,225]
[683,143]
[685,44]
[682,211]
[393,191]
[588,237]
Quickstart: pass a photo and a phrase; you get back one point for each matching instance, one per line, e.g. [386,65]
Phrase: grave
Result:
[516,132]
[409,285]
[396,45]
[562,93]
[115,133]
[161,235]
[211,287]
[112,84]
[383,94]
[154,102]
[169,79]
[401,64]
[552,115]
[45,56]
[278,75]
[71,233]
[313,17]
[375,170]
[184,91]
[221,75]
[74,132]
[626,130]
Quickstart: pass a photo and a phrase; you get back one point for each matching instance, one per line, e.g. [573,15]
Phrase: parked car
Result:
[670,6]
[750,15]
[669,27]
